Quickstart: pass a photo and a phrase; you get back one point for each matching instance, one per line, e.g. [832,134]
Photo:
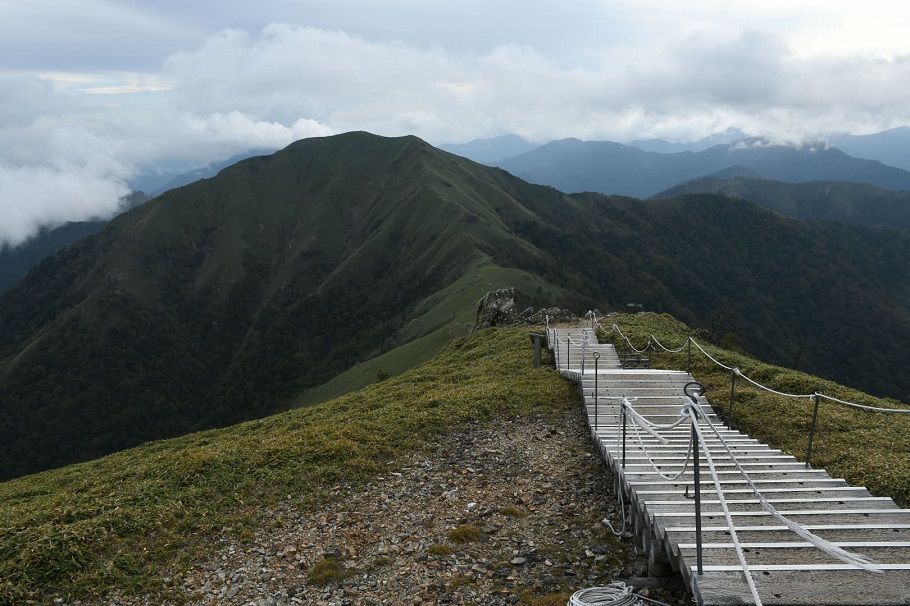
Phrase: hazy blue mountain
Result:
[890,147]
[490,151]
[726,137]
[571,165]
[207,172]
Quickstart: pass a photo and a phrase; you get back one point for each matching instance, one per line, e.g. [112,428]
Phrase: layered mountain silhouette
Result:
[241,295]
[572,165]
[840,201]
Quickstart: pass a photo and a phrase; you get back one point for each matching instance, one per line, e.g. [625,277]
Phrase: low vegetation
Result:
[866,448]
[128,519]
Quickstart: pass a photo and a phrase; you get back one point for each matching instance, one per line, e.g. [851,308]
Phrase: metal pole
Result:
[624,432]
[697,479]
[568,354]
[815,397]
[732,391]
[689,356]
[596,358]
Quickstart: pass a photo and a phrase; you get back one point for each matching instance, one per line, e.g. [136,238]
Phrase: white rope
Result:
[709,356]
[864,407]
[737,372]
[850,558]
[693,415]
[663,347]
[640,351]
[615,595]
[641,445]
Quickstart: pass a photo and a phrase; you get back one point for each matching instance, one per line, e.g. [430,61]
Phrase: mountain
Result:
[840,201]
[888,147]
[238,296]
[572,165]
[727,137]
[206,172]
[15,262]
[490,151]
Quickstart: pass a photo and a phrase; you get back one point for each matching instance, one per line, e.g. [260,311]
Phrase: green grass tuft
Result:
[466,533]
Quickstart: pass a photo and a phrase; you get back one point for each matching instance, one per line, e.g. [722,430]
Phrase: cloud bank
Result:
[71,138]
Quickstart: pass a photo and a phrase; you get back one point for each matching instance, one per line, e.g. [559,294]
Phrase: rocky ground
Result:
[510,512]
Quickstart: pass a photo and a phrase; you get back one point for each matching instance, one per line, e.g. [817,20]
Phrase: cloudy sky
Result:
[95,92]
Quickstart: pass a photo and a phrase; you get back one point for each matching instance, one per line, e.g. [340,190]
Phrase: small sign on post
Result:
[536,339]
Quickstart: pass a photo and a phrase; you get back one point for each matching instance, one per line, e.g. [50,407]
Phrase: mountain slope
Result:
[219,301]
[889,147]
[290,278]
[843,202]
[611,168]
[16,262]
[152,524]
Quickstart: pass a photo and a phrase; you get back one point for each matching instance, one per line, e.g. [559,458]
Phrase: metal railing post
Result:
[696,462]
[624,432]
[568,353]
[596,358]
[689,355]
[815,397]
[732,391]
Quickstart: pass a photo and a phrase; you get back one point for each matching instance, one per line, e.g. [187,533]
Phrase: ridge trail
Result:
[657,488]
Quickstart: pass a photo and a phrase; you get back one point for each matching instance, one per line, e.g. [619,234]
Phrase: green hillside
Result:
[840,201]
[121,521]
[292,278]
[129,520]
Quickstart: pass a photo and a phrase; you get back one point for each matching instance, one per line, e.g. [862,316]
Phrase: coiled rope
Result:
[616,594]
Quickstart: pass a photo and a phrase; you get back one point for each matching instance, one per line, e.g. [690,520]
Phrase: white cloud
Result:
[186,84]
[34,196]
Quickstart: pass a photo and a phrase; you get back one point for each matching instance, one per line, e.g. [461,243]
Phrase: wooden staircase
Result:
[785,568]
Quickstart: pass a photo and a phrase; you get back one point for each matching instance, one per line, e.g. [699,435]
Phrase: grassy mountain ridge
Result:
[294,277]
[221,300]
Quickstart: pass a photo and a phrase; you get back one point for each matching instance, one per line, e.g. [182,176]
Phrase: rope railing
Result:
[736,371]
[691,412]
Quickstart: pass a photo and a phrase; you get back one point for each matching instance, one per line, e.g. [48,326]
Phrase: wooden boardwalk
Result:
[784,567]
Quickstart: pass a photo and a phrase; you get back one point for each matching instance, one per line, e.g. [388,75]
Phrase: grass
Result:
[466,533]
[327,571]
[865,448]
[439,550]
[129,519]
[513,512]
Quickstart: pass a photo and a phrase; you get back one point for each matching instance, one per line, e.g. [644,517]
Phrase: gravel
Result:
[499,513]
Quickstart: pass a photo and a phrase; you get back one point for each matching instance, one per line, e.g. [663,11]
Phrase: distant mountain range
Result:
[572,165]
[492,150]
[247,293]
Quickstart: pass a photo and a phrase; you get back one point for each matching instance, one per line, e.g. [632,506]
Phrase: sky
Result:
[94,93]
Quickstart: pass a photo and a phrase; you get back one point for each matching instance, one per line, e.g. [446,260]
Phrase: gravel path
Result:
[508,512]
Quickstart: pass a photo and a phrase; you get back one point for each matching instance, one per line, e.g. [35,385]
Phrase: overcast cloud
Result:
[92,92]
